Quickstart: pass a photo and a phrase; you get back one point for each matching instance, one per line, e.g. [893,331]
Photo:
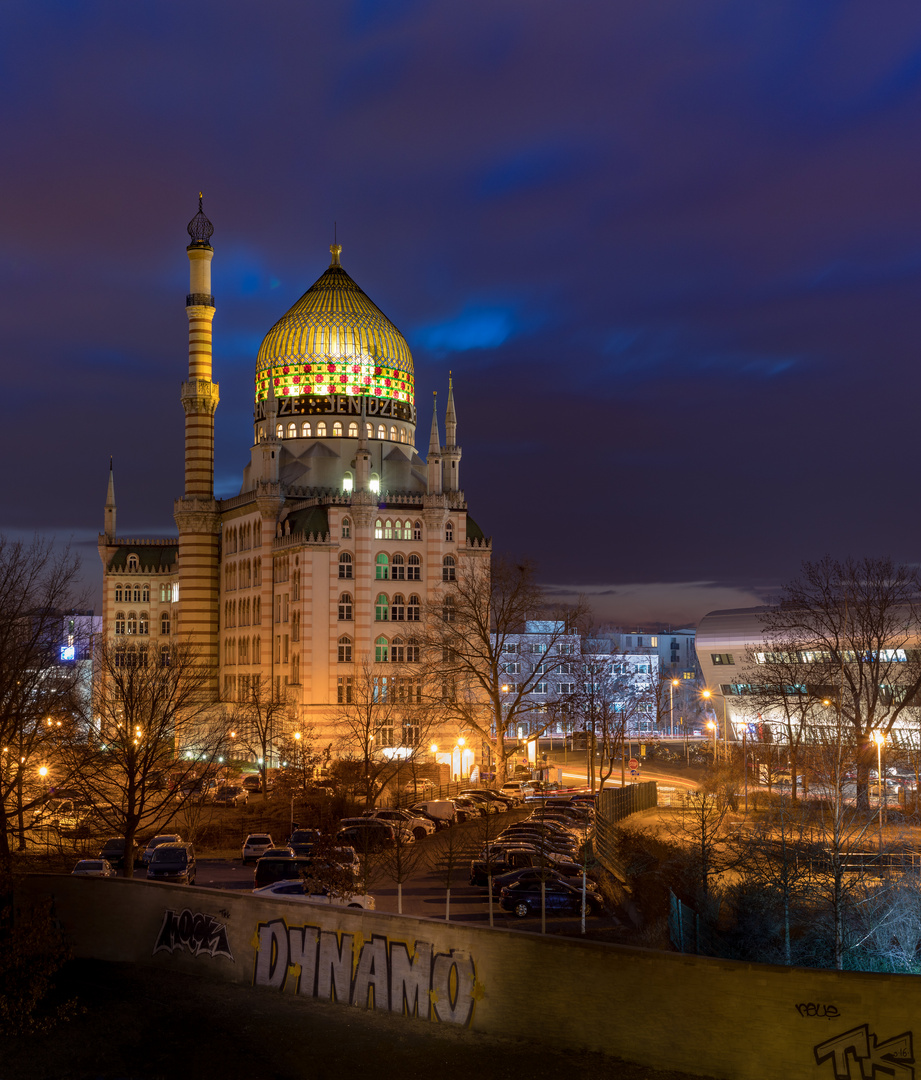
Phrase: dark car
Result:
[492,805]
[272,869]
[365,834]
[524,898]
[302,841]
[534,874]
[113,851]
[511,859]
[174,863]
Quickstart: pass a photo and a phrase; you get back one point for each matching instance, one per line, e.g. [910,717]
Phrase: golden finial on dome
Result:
[335,250]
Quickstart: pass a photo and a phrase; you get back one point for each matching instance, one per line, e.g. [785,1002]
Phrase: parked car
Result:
[365,834]
[524,898]
[201,790]
[269,870]
[516,790]
[443,812]
[173,863]
[302,841]
[494,803]
[155,841]
[536,873]
[469,807]
[256,845]
[296,890]
[417,828]
[252,783]
[59,813]
[283,852]
[113,851]
[94,868]
[231,796]
[516,858]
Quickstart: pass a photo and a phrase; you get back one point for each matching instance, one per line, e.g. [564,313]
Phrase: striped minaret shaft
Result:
[196,512]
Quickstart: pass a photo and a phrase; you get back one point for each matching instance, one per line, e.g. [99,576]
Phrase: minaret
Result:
[196,512]
[451,452]
[110,507]
[434,455]
[363,454]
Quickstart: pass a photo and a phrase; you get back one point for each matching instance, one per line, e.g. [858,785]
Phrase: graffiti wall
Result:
[663,1010]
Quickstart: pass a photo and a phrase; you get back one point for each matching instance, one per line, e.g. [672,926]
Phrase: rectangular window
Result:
[285,660]
[721,658]
[540,688]
[654,642]
[345,690]
[512,668]
[567,687]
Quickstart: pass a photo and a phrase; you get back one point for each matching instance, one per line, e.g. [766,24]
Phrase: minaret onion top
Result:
[200,228]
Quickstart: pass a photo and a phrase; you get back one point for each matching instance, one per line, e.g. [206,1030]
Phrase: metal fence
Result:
[613,805]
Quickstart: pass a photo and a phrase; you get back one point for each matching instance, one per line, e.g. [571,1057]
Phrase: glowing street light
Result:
[712,726]
[671,707]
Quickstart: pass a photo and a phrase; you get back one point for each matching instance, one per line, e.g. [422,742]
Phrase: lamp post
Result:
[671,707]
[711,724]
[879,738]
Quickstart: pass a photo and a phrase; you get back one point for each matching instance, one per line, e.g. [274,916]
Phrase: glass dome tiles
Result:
[334,340]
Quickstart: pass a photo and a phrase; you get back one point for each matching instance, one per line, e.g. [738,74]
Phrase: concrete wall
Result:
[664,1010]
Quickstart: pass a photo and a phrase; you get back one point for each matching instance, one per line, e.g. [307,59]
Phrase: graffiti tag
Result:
[823,1012]
[894,1057]
[196,932]
[376,974]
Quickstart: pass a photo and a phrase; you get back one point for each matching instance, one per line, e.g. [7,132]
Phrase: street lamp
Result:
[712,726]
[671,707]
[879,738]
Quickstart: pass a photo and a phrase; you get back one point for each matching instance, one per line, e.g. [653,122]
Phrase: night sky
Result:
[671,252]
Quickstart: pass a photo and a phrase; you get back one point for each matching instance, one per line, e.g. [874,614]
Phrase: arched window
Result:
[417,530]
[345,607]
[257,651]
[120,622]
[164,623]
[397,651]
[403,434]
[369,429]
[164,594]
[353,430]
[345,650]
[132,622]
[393,433]
[132,562]
[280,431]
[321,430]
[306,430]
[398,608]
[398,568]
[145,594]
[292,431]
[345,565]
[447,610]
[378,529]
[118,594]
[337,429]
[381,608]
[143,623]
[448,568]
[382,567]
[347,482]
[380,650]
[346,528]
[414,568]
[381,431]
[388,529]
[449,533]
[413,609]
[413,651]
[136,593]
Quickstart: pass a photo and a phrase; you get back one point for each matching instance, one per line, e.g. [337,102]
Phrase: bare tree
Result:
[40,697]
[850,628]
[260,720]
[448,852]
[472,637]
[401,860]
[155,733]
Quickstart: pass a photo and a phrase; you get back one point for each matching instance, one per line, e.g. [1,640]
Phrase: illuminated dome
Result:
[335,341]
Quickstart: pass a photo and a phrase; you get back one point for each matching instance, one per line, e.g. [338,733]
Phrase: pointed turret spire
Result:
[450,452]
[434,456]
[110,504]
[434,439]
[450,416]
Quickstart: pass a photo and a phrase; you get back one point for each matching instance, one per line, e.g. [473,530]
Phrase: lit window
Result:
[378,529]
[381,431]
[388,529]
[132,622]
[381,608]
[380,650]
[382,567]
[448,569]
[337,429]
[347,482]
[353,430]
[369,429]
[345,607]
[393,433]
[280,431]
[306,430]
[402,435]
[321,430]
[292,431]
[375,484]
[345,565]
[345,650]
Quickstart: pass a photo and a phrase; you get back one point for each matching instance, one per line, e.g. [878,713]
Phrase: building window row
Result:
[389,529]
[397,651]
[320,430]
[240,538]
[243,650]
[137,624]
[135,594]
[397,608]
[244,612]
[243,574]
[397,567]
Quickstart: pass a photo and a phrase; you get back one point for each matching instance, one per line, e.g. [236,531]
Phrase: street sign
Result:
[633,772]
[634,764]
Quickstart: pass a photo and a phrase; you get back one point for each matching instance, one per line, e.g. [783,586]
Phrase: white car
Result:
[94,868]
[256,845]
[405,820]
[295,890]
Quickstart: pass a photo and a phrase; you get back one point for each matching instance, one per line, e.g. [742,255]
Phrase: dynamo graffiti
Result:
[375,974]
